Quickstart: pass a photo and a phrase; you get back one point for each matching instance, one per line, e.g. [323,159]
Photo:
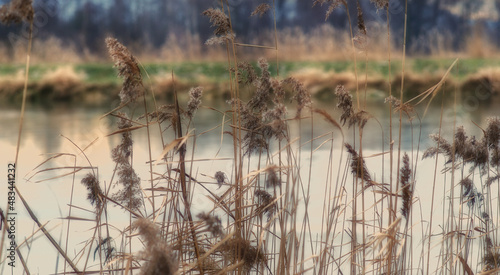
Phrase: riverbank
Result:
[97,83]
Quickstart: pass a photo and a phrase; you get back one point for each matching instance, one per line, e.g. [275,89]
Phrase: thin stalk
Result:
[185,195]
[433,193]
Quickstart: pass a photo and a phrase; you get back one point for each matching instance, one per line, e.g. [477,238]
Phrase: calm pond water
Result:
[54,130]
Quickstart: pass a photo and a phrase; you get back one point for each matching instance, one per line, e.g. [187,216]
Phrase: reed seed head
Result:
[258,103]
[345,103]
[361,21]
[220,177]
[358,166]
[214,224]
[121,153]
[492,135]
[17,11]
[396,105]
[194,101]
[380,4]
[128,69]
[219,20]
[250,77]
[490,180]
[130,194]
[237,249]
[261,10]
[332,5]
[162,114]
[266,203]
[302,96]
[470,194]
[272,179]
[94,190]
[157,254]
[407,189]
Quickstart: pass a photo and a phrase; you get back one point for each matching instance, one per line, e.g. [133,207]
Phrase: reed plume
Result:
[130,195]
[301,96]
[94,190]
[358,166]
[222,26]
[128,69]
[470,150]
[345,103]
[220,177]
[266,203]
[492,135]
[259,121]
[491,259]
[258,102]
[332,5]
[490,180]
[406,186]
[380,4]
[261,9]
[470,193]
[272,179]
[214,224]
[163,113]
[157,254]
[275,118]
[397,106]
[219,20]
[238,249]
[246,73]
[361,21]
[349,114]
[17,11]
[194,101]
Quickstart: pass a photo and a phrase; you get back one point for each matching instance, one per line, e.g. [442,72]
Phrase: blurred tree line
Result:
[86,23]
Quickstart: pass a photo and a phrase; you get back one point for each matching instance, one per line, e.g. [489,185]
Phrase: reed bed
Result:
[276,208]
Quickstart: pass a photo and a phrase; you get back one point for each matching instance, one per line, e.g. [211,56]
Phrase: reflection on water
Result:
[72,129]
[83,125]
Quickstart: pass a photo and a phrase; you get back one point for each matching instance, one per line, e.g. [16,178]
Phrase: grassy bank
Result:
[97,82]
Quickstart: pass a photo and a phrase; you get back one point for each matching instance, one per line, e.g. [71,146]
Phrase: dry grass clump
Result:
[317,80]
[485,83]
[62,83]
[55,50]
[11,85]
[157,254]
[163,84]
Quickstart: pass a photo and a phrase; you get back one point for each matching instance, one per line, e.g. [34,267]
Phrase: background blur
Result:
[164,31]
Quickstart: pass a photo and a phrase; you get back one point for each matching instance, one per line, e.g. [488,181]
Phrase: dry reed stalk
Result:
[18,11]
